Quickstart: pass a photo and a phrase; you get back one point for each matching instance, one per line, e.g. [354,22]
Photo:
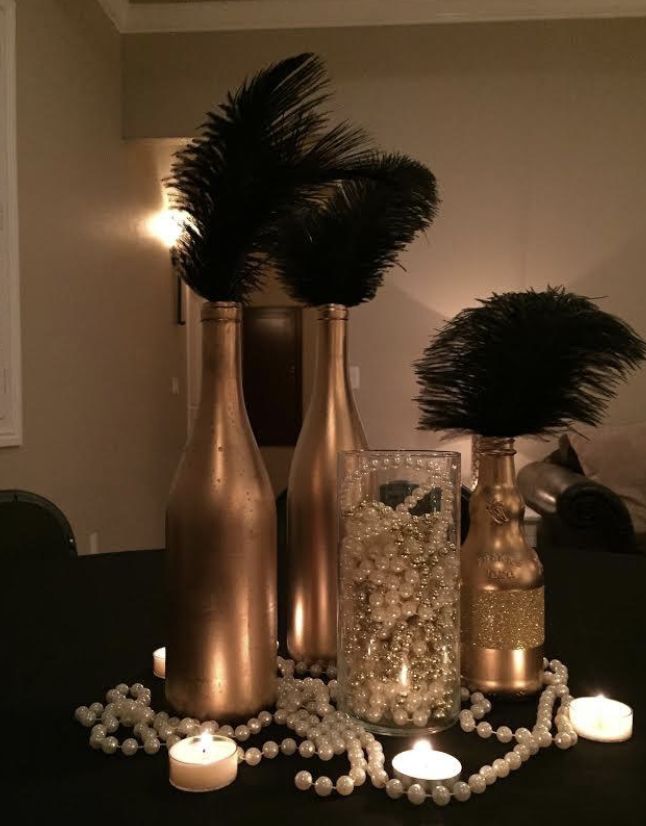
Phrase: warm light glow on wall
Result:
[167,225]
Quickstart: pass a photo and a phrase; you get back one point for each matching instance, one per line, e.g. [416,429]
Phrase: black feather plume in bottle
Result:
[525,363]
[337,250]
[264,151]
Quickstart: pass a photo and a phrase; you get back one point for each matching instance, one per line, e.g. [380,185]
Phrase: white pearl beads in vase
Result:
[399,590]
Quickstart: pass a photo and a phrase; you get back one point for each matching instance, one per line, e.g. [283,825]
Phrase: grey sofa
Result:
[577,512]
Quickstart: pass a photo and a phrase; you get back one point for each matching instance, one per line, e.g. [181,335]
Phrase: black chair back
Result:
[33,528]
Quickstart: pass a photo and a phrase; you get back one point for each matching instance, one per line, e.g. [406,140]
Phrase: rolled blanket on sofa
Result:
[579,512]
[589,506]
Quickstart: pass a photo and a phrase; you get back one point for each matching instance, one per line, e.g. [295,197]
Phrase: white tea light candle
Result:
[601,719]
[203,764]
[159,663]
[429,768]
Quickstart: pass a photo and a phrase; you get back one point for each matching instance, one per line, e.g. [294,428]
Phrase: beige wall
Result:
[102,431]
[536,132]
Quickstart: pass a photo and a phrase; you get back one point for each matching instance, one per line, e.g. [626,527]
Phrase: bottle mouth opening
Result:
[495,445]
[221,311]
[335,312]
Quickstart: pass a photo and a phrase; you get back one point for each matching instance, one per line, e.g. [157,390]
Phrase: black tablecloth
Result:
[79,627]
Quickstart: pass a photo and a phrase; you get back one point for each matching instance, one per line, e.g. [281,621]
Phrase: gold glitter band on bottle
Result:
[504,619]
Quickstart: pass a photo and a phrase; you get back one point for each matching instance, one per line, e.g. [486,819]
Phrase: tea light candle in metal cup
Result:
[423,765]
[159,663]
[203,763]
[601,719]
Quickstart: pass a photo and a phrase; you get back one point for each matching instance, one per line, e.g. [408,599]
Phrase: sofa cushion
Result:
[615,456]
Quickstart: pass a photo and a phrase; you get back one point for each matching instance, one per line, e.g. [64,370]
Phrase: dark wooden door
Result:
[272,374]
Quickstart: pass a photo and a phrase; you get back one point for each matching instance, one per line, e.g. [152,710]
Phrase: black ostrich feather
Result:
[262,152]
[338,250]
[525,363]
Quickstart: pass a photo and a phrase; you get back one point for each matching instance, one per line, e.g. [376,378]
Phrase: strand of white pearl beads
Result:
[305,706]
[129,706]
[528,743]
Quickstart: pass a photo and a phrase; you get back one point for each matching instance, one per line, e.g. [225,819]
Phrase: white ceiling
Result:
[132,16]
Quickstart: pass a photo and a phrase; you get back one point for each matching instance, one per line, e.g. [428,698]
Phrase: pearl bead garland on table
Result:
[305,707]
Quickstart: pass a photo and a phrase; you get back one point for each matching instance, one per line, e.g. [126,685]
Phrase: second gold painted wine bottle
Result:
[331,424]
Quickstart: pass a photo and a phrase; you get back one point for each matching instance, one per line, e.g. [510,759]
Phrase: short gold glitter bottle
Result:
[502,583]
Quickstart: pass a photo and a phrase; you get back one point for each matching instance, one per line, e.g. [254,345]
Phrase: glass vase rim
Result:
[396,451]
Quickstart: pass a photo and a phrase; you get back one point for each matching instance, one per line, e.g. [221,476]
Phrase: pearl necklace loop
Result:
[306,707]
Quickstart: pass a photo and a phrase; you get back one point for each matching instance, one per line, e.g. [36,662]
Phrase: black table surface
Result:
[79,627]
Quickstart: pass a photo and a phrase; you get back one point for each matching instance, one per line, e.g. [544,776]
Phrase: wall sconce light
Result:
[168,225]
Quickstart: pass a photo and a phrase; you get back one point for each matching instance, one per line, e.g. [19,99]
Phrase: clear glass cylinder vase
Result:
[399,580]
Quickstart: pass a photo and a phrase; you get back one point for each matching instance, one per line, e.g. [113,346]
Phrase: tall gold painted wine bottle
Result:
[331,424]
[221,546]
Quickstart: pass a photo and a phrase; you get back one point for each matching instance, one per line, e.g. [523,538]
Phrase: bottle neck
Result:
[496,461]
[331,373]
[221,353]
[496,501]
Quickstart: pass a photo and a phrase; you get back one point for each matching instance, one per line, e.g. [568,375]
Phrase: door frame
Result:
[10,363]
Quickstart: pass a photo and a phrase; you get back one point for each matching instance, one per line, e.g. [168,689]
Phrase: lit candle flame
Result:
[422,746]
[205,741]
[600,722]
